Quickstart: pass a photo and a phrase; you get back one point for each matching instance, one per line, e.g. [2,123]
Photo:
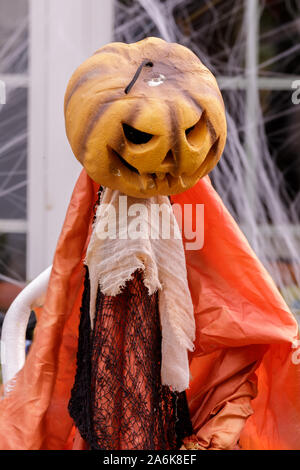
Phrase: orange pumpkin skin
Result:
[175,102]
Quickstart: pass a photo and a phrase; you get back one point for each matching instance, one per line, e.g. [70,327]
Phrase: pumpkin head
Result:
[145,118]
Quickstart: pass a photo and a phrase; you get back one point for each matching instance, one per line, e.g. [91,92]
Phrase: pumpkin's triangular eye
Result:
[135,136]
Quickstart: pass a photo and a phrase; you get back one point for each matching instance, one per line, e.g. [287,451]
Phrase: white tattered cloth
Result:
[132,234]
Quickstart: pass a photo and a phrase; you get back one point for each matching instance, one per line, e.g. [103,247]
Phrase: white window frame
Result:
[62,35]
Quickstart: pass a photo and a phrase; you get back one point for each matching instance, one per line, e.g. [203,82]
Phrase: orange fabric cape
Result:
[243,325]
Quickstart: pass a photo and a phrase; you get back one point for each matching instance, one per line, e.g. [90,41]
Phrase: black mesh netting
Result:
[118,401]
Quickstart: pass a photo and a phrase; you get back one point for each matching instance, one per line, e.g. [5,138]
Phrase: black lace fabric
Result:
[118,401]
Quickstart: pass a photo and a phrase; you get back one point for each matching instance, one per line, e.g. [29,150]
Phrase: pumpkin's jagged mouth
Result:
[125,163]
[164,180]
[150,179]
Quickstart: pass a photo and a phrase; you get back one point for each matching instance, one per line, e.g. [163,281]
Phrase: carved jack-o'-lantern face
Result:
[145,118]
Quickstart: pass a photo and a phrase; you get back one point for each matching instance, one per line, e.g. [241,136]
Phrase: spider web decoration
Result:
[259,173]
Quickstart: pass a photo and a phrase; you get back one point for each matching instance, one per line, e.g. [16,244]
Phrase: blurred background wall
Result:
[251,46]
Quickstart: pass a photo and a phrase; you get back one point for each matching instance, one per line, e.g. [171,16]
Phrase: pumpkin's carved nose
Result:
[169,164]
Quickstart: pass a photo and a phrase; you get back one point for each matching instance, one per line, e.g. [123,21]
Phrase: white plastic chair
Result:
[13,335]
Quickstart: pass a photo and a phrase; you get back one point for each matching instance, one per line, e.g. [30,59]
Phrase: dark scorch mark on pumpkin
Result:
[192,100]
[209,124]
[211,130]
[96,72]
[100,109]
[174,131]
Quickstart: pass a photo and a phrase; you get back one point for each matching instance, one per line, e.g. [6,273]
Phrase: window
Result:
[253,49]
[41,44]
[13,138]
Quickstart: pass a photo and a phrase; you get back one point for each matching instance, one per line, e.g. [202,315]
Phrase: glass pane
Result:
[12,256]
[13,139]
[213,30]
[13,155]
[282,125]
[228,177]
[13,36]
[280,38]
[132,23]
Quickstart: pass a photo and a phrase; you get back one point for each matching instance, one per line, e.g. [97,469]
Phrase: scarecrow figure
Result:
[181,344]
